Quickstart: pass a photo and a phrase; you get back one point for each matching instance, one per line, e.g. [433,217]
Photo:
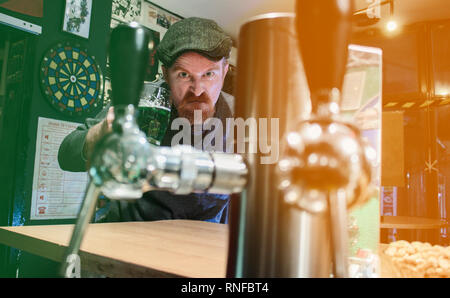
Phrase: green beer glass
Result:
[154,112]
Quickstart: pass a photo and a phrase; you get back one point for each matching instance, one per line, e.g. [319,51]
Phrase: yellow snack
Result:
[420,259]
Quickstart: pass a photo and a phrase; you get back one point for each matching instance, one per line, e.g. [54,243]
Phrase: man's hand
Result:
[94,135]
[146,187]
[96,132]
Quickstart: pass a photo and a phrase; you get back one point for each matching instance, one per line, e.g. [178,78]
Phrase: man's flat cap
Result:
[194,34]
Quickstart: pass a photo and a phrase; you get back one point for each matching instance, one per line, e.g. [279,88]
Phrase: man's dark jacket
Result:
[154,205]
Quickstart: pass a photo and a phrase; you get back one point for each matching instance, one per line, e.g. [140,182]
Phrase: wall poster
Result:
[77,17]
[56,194]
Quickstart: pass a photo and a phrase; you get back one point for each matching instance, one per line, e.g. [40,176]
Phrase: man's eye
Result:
[210,74]
[183,75]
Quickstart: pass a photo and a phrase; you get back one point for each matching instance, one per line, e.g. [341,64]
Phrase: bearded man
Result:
[194,54]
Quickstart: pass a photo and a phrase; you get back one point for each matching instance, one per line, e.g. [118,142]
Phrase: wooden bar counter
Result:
[173,248]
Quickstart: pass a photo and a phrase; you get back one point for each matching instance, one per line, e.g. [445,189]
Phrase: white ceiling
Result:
[231,14]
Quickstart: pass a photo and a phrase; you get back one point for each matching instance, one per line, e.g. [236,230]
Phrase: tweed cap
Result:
[194,34]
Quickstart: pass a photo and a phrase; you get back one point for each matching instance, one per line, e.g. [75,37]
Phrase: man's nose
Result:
[197,87]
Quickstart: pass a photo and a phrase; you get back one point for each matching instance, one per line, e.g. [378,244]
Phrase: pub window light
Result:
[443,91]
[391,26]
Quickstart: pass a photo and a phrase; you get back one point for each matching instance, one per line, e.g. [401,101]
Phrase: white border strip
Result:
[20,24]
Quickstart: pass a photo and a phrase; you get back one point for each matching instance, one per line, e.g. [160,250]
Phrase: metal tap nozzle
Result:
[119,161]
[182,169]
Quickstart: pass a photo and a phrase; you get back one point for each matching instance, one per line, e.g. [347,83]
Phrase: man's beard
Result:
[191,103]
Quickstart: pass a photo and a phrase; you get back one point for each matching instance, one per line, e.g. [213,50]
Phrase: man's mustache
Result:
[186,110]
[190,97]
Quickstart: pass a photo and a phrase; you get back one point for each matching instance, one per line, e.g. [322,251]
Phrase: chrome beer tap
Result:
[325,168]
[292,218]
[123,160]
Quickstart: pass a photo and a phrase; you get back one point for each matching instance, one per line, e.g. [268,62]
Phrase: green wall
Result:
[37,106]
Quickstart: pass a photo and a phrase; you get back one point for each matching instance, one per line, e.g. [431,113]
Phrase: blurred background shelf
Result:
[408,222]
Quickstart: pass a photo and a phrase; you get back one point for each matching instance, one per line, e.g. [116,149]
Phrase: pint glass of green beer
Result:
[154,112]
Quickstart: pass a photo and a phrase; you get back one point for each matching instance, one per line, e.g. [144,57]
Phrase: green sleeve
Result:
[70,153]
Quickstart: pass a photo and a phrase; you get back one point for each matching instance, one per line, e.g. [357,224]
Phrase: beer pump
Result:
[299,228]
[123,160]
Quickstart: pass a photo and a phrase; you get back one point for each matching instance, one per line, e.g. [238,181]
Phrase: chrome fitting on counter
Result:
[183,169]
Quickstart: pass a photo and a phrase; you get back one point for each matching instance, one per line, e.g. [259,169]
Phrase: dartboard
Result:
[71,79]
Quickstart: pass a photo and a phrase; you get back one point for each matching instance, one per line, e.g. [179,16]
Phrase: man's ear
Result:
[225,69]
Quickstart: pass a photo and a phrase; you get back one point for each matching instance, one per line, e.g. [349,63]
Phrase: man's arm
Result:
[76,148]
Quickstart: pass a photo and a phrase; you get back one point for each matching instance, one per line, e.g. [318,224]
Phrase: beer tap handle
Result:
[323,29]
[128,56]
[120,158]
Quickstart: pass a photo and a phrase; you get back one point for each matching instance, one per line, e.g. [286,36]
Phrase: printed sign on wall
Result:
[57,194]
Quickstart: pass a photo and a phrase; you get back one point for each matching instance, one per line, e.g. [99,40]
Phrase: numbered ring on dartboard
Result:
[71,79]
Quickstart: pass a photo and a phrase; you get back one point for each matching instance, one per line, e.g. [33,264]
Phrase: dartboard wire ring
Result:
[71,79]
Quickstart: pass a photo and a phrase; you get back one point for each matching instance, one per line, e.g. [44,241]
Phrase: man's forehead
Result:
[196,62]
